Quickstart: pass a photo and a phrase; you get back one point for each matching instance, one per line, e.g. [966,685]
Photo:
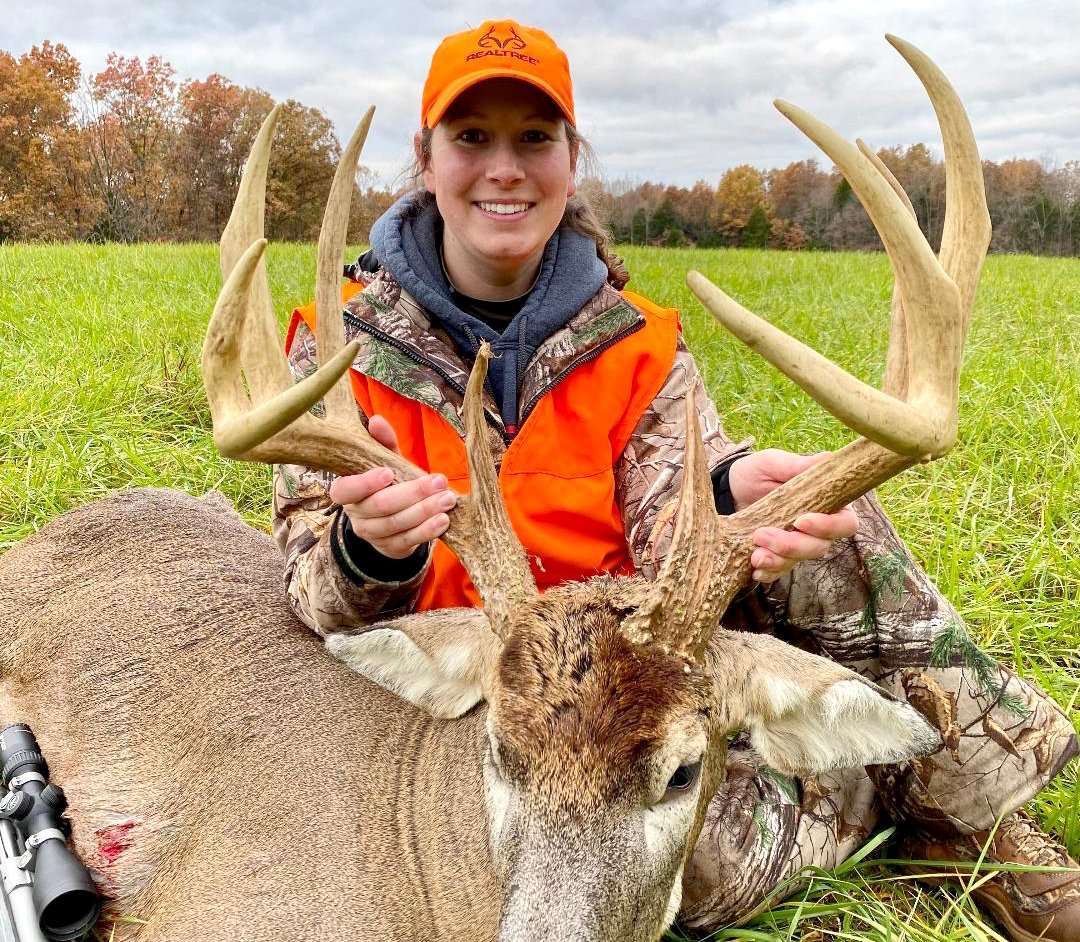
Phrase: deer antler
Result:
[914,419]
[269,422]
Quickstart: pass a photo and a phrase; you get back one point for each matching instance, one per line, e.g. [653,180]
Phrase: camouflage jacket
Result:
[402,348]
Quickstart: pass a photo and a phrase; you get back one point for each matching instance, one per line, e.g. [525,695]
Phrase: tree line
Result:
[131,154]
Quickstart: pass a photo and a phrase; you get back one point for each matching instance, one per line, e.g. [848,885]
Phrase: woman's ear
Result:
[423,162]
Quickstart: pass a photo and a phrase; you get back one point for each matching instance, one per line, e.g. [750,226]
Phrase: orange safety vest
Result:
[558,474]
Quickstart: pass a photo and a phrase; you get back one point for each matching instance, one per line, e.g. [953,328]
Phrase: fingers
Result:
[400,545]
[782,466]
[352,488]
[779,550]
[373,525]
[395,518]
[753,476]
[383,432]
[788,544]
[837,526]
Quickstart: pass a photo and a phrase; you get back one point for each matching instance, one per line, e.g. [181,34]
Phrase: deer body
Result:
[213,753]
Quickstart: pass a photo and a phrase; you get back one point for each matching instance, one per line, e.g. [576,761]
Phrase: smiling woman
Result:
[584,402]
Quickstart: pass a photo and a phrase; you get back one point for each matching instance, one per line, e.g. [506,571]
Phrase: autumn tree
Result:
[370,201]
[800,200]
[41,173]
[923,179]
[305,153]
[218,122]
[741,191]
[695,209]
[130,135]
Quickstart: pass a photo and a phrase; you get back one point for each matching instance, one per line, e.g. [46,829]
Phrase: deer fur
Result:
[229,779]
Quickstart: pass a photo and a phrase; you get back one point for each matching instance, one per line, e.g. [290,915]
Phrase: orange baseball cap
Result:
[496,49]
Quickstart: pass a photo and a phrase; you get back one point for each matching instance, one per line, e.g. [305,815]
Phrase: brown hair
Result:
[579,215]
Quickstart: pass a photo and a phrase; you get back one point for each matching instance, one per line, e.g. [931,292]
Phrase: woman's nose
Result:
[505,167]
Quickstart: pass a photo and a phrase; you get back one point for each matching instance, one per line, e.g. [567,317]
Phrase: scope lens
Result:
[70,916]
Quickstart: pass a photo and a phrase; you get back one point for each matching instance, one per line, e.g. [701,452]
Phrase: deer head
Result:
[610,701]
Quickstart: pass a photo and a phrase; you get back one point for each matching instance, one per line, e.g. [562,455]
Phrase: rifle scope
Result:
[64,896]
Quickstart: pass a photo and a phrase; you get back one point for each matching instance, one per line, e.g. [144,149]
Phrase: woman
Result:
[495,247]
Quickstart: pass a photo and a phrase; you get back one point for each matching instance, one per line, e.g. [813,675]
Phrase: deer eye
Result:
[684,777]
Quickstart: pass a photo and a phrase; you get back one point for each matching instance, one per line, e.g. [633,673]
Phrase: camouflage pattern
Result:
[869,606]
[649,473]
[601,321]
[866,605]
[324,598]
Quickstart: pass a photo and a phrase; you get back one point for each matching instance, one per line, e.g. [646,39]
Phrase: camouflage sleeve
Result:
[319,591]
[648,474]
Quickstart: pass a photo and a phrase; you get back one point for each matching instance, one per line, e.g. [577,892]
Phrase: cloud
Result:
[673,91]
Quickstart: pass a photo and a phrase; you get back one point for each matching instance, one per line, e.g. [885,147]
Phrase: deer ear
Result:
[437,661]
[805,713]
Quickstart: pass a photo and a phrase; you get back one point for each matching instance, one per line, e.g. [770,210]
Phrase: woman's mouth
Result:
[503,210]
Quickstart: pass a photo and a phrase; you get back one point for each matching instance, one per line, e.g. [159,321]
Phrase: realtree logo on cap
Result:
[492,45]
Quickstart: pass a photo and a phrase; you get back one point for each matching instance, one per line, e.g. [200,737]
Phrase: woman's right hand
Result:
[394,518]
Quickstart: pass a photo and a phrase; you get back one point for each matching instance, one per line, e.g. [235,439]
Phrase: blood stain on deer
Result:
[113,840]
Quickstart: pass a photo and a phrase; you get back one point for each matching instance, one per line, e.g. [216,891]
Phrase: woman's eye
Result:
[684,777]
[471,136]
[535,137]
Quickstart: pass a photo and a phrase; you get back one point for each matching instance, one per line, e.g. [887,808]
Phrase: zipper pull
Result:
[509,432]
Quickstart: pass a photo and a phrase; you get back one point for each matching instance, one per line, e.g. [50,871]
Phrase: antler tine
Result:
[265,375]
[252,428]
[896,363]
[329,326]
[926,424]
[966,235]
[687,586]
[480,533]
[866,410]
[930,298]
[240,427]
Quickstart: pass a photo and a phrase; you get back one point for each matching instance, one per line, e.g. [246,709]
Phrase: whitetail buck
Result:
[229,780]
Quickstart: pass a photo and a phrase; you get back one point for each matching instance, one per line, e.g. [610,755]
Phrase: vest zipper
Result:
[417,358]
[509,432]
[588,357]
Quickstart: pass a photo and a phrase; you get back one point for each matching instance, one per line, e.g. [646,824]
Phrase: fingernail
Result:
[447,501]
[439,481]
[799,523]
[759,575]
[386,477]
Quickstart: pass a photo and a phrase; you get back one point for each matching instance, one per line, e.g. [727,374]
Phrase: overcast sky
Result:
[671,91]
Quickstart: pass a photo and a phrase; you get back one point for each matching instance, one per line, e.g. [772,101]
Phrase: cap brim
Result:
[448,95]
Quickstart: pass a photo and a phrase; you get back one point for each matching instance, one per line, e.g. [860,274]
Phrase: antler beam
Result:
[260,415]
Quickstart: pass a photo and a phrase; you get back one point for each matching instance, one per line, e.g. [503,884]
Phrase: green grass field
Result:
[100,389]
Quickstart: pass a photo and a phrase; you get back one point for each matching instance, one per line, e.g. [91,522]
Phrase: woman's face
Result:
[501,170]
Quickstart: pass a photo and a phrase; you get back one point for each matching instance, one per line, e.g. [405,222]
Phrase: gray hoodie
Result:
[406,241]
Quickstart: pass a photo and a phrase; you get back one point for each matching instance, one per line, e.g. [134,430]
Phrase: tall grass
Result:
[99,389]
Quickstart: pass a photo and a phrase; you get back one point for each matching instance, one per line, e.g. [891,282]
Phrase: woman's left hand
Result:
[751,478]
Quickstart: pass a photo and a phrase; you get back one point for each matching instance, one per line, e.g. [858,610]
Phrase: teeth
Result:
[504,209]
